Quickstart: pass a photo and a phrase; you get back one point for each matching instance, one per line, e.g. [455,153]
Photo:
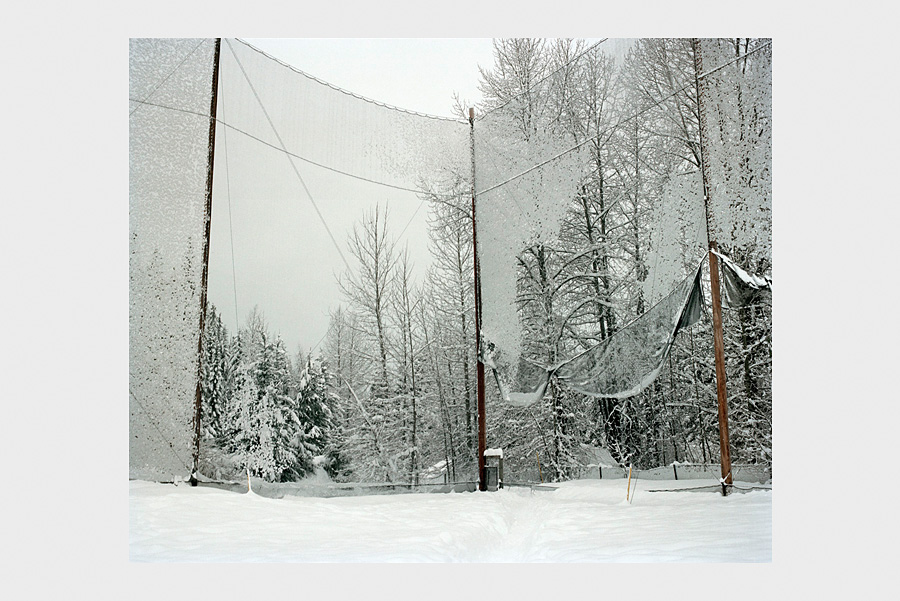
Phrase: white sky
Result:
[284,262]
[416,74]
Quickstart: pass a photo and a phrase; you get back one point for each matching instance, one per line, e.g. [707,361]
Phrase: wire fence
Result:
[746,478]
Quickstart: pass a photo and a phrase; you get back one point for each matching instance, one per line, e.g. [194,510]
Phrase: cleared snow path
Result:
[581,521]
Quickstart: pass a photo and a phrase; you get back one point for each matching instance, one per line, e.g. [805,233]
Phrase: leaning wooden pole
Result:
[207,220]
[479,365]
[718,336]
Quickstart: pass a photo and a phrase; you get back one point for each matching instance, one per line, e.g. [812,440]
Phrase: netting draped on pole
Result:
[582,227]
[168,152]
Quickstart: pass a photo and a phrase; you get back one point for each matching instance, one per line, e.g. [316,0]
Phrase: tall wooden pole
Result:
[207,219]
[479,365]
[718,336]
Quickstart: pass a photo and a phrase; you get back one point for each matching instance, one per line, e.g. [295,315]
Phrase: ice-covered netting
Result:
[622,365]
[742,288]
[324,126]
[627,362]
[678,229]
[739,144]
[524,181]
[168,152]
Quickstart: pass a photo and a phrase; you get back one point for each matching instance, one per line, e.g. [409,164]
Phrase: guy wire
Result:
[296,172]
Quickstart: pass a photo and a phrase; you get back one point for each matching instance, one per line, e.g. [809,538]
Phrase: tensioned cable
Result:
[237,320]
[289,153]
[318,343]
[165,79]
[709,487]
[544,78]
[623,121]
[400,235]
[296,172]
[349,93]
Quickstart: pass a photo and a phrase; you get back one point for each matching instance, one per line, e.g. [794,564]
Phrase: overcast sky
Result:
[416,74]
[284,260]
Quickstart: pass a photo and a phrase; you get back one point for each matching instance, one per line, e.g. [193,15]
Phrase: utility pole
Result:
[718,336]
[207,219]
[479,365]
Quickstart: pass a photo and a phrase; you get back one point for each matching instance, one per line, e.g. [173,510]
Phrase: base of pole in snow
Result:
[726,482]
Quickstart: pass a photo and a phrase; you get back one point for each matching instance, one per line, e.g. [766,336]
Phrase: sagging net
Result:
[590,203]
[743,289]
[524,179]
[628,361]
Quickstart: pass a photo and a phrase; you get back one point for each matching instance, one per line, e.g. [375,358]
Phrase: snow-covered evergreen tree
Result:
[319,438]
[214,376]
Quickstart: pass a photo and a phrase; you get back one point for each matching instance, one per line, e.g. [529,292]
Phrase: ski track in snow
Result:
[581,521]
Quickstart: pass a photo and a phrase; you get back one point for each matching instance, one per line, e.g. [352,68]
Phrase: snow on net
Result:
[523,185]
[620,366]
[301,156]
[742,288]
[168,153]
[739,139]
[627,362]
[678,230]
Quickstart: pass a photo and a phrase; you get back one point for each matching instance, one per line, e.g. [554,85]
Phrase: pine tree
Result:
[215,390]
[214,376]
[320,436]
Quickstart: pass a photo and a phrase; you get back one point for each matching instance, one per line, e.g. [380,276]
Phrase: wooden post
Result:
[628,490]
[719,345]
[718,336]
[479,365]
[207,219]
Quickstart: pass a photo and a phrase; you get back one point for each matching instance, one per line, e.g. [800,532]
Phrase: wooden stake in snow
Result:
[628,490]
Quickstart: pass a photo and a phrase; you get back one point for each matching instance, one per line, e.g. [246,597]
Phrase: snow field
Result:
[581,521]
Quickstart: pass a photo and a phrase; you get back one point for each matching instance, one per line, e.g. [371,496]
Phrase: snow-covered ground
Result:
[580,521]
